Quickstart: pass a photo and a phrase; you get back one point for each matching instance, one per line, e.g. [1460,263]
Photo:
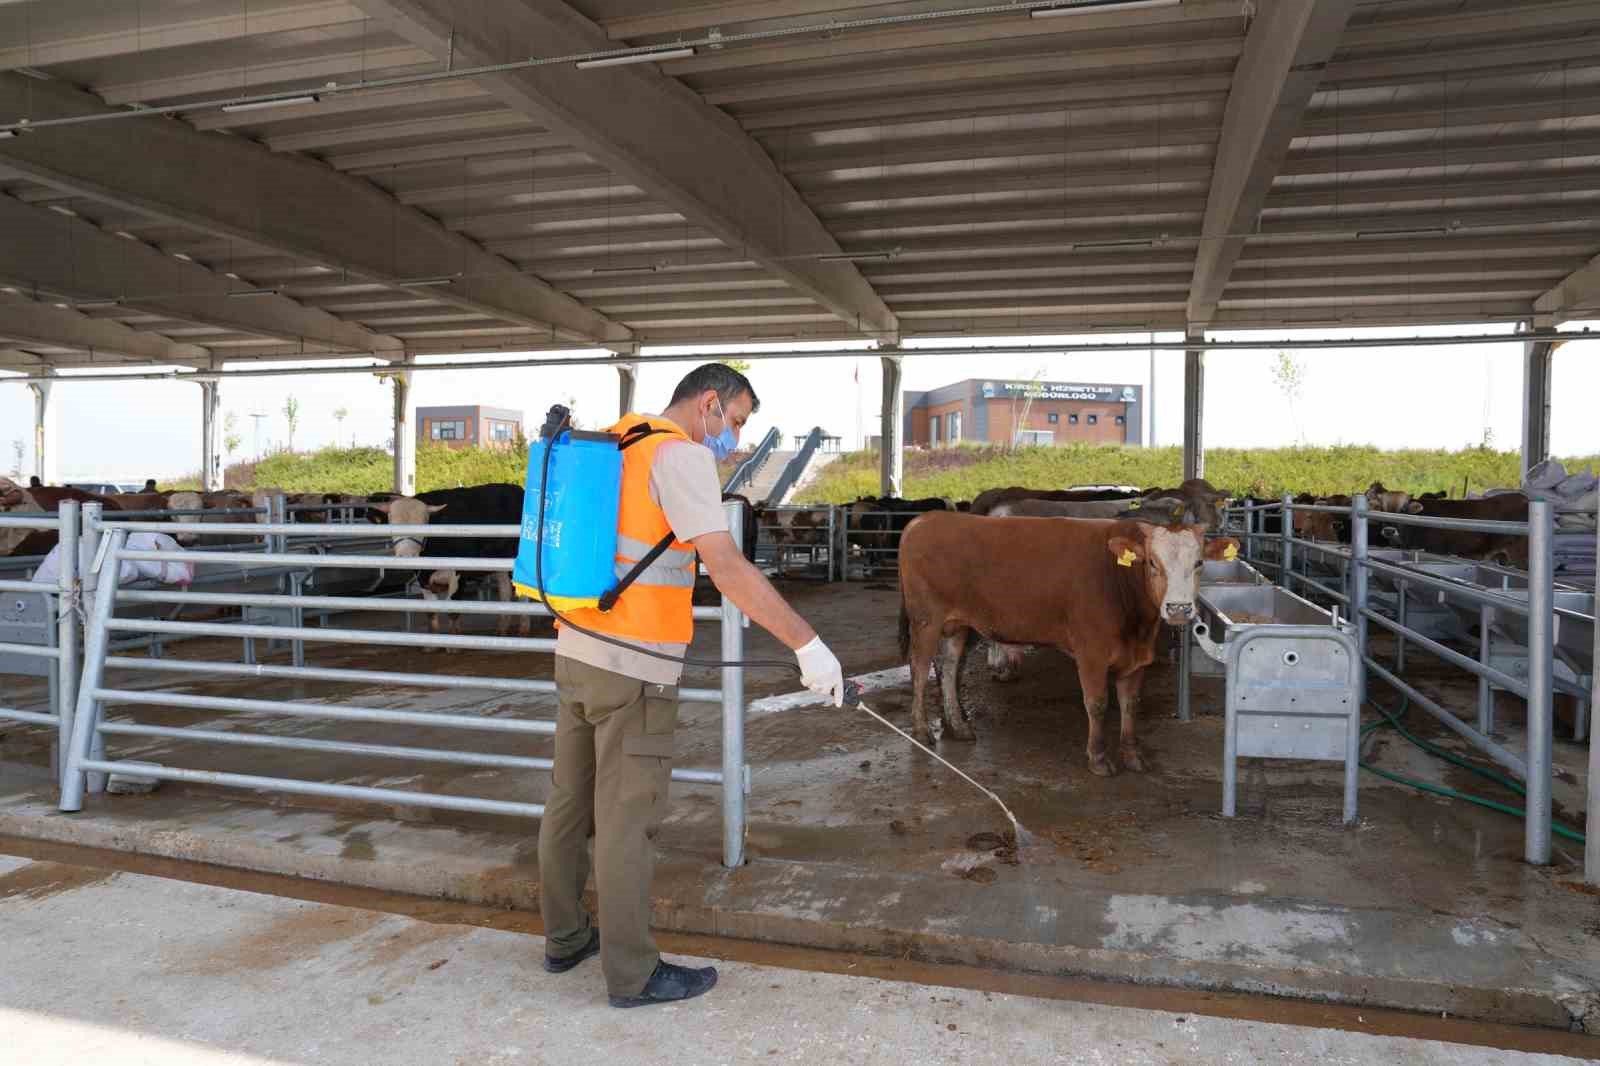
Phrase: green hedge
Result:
[963,472]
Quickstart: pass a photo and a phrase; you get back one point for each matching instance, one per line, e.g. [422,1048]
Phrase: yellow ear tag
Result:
[1127,558]
[1230,553]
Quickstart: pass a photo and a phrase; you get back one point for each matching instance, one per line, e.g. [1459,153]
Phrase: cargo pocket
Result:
[660,721]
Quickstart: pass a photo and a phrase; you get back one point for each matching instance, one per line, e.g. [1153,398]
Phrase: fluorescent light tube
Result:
[1420,231]
[83,304]
[635,57]
[857,257]
[254,292]
[1096,5]
[61,209]
[257,105]
[1114,244]
[625,270]
[443,279]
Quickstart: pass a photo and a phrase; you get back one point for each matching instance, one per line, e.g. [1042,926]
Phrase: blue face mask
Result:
[723,444]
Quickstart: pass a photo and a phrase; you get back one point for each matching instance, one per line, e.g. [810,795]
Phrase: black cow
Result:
[479,505]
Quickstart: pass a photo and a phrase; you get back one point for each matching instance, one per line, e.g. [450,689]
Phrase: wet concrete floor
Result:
[850,824]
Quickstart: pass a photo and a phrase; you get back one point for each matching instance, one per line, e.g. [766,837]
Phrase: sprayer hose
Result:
[1392,720]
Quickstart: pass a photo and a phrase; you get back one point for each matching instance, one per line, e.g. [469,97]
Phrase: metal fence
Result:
[50,612]
[809,536]
[746,471]
[86,763]
[1529,612]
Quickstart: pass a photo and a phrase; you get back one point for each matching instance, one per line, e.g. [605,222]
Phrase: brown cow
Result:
[987,500]
[16,500]
[1097,589]
[1507,549]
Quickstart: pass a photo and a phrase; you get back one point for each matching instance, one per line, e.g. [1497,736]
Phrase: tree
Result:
[339,415]
[741,365]
[1289,375]
[16,456]
[230,434]
[291,415]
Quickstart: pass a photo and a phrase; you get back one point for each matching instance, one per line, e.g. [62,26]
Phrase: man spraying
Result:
[618,705]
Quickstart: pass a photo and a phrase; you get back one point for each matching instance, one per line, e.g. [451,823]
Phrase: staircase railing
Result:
[797,466]
[747,470]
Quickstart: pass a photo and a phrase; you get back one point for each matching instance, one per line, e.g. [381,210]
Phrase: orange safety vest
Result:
[658,606]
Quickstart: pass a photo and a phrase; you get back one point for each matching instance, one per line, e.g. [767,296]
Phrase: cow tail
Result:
[905,628]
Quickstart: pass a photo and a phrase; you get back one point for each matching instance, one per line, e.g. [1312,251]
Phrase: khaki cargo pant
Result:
[613,765]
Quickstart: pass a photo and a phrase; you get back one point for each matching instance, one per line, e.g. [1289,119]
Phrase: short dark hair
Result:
[720,378]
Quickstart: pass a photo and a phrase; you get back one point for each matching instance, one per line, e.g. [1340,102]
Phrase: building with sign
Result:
[993,411]
[471,426]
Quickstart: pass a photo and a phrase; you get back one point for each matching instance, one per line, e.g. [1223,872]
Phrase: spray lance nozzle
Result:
[852,694]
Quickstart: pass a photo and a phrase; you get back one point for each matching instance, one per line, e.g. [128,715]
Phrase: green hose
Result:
[1393,721]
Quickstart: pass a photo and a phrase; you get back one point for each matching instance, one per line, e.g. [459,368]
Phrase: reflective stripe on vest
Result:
[673,568]
[658,606]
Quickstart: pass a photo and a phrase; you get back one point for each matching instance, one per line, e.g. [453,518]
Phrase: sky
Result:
[1392,397]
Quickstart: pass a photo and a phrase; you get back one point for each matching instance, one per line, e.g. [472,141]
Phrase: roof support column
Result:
[1536,364]
[46,461]
[210,457]
[627,384]
[891,470]
[405,438]
[1591,847]
[1194,400]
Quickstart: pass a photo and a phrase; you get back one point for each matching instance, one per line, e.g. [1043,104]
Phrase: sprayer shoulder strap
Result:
[631,436]
[609,599]
[636,433]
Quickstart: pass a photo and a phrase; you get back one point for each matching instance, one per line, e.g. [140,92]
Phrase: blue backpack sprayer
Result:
[567,548]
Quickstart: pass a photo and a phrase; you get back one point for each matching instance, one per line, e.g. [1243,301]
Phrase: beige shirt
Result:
[683,482]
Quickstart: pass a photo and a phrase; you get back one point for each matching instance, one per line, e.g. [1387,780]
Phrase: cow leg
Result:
[924,644]
[1128,688]
[502,592]
[1092,678]
[954,650]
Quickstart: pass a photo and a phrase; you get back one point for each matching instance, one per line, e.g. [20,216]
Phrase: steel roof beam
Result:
[47,252]
[924,76]
[1577,296]
[45,41]
[230,188]
[1186,89]
[653,133]
[1283,59]
[29,324]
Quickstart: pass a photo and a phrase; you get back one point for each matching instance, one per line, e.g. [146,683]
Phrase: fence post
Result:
[85,721]
[1285,549]
[1485,650]
[1541,671]
[1360,530]
[733,782]
[68,590]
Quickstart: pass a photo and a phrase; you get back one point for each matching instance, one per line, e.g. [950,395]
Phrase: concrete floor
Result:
[132,969]
[858,842]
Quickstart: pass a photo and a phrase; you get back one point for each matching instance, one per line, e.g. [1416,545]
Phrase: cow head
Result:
[11,494]
[1171,558]
[407,511]
[186,501]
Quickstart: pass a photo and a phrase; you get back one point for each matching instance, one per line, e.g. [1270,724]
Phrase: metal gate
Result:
[39,630]
[86,762]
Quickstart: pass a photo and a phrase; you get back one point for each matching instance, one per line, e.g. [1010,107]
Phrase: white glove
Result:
[820,671]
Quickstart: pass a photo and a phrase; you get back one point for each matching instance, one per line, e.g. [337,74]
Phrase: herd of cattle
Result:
[1100,588]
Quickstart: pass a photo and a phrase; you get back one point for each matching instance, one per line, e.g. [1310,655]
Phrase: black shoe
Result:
[669,984]
[552,964]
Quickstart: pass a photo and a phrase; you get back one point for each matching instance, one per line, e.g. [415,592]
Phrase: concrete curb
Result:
[1472,968]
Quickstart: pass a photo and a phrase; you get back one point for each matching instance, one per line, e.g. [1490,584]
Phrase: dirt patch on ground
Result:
[41,880]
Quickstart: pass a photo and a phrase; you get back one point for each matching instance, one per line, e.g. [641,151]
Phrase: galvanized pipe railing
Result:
[86,761]
[61,634]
